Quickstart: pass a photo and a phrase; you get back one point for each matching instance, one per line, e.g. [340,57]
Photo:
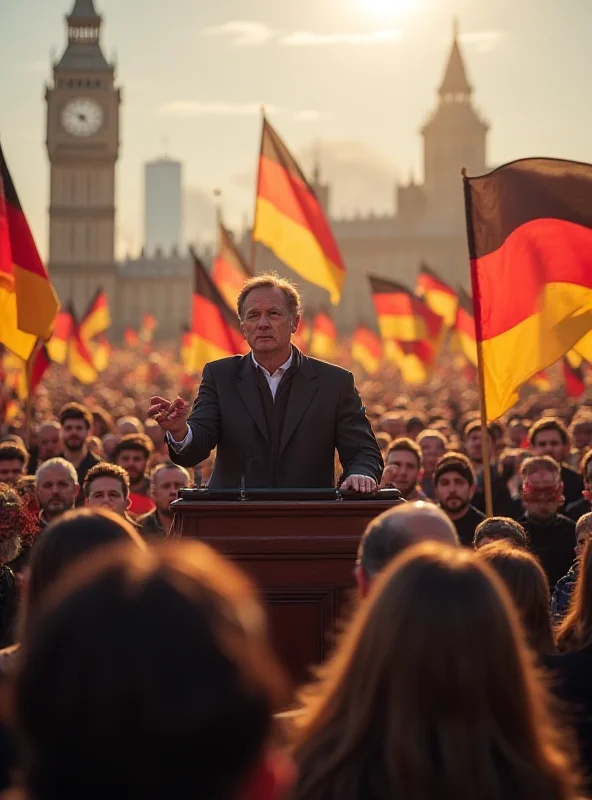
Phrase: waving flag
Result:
[290,220]
[230,270]
[437,295]
[28,303]
[529,226]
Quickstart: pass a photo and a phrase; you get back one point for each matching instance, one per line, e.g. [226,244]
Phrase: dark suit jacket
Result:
[324,413]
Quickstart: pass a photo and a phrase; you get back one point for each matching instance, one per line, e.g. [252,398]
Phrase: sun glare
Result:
[385,9]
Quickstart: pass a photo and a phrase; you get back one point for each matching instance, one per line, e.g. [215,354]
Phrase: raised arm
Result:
[190,438]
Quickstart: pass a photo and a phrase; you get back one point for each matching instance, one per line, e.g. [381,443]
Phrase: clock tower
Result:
[82,144]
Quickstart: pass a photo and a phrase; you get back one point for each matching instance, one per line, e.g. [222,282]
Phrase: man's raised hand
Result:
[172,417]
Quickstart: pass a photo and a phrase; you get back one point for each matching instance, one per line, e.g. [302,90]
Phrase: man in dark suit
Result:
[274,415]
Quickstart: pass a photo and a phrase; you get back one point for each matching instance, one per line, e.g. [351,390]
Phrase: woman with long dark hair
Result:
[432,694]
[525,579]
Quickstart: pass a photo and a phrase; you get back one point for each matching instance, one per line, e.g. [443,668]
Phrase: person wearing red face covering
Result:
[551,535]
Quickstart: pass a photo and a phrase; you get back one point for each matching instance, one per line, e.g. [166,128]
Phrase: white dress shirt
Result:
[273,382]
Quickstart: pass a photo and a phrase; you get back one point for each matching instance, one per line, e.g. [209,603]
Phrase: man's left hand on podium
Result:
[360,483]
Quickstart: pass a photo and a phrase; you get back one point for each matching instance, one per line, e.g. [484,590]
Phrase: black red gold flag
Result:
[28,302]
[290,220]
[529,226]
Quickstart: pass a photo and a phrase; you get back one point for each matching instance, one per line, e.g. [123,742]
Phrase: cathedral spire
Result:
[455,83]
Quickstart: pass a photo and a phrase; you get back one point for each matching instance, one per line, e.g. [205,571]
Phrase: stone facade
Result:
[427,223]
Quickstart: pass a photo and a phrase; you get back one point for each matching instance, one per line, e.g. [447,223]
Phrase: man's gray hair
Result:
[56,462]
[270,280]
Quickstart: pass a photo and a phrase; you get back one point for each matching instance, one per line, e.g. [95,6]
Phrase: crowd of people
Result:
[133,665]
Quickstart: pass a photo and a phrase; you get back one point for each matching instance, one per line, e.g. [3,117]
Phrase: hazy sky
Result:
[353,80]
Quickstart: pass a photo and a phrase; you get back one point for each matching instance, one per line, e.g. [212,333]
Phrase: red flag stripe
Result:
[297,201]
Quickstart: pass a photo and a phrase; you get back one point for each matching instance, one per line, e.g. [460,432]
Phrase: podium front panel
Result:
[301,555]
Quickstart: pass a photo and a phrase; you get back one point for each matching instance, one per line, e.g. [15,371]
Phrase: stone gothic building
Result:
[83,107]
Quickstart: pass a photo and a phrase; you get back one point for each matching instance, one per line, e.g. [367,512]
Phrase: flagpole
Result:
[480,367]
[28,404]
[253,255]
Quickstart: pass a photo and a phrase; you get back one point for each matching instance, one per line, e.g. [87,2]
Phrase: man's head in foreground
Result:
[394,531]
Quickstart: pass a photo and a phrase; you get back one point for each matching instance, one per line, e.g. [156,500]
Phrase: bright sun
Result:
[385,9]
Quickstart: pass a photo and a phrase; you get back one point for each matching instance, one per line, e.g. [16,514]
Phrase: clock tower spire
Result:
[82,145]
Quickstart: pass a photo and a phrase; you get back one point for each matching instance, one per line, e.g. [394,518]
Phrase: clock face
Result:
[82,117]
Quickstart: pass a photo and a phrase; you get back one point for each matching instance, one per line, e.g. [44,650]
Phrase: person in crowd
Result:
[563,591]
[48,444]
[454,483]
[127,425]
[518,431]
[13,462]
[582,506]
[165,481]
[75,535]
[393,423]
[580,433]
[76,422]
[551,536]
[133,453]
[102,422]
[14,521]
[108,486]
[510,461]
[469,722]
[57,487]
[433,447]
[571,668]
[549,437]
[403,466]
[393,531]
[198,718]
[414,426]
[383,440]
[268,410]
[95,446]
[25,488]
[157,436]
[109,443]
[473,445]
[497,529]
[527,583]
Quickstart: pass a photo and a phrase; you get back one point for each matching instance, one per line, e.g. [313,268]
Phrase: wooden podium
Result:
[301,554]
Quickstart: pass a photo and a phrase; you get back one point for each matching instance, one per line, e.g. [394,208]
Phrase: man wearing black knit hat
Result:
[454,485]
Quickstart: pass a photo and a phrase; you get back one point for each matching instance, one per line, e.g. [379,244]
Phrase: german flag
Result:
[412,368]
[573,374]
[324,337]
[131,337]
[541,381]
[28,303]
[230,271]
[401,315]
[437,295]
[57,346]
[149,325]
[80,360]
[97,318]
[529,227]
[100,350]
[303,335]
[25,376]
[367,349]
[215,328]
[290,221]
[464,327]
